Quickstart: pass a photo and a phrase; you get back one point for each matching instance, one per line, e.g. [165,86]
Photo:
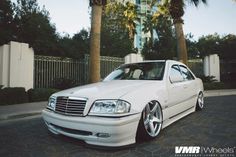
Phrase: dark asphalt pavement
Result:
[215,126]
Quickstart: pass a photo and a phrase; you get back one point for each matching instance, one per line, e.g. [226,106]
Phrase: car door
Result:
[189,87]
[176,96]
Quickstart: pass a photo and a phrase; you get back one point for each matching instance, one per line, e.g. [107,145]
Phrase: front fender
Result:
[200,85]
[141,96]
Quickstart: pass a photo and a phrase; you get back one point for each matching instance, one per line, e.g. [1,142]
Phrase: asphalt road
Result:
[215,126]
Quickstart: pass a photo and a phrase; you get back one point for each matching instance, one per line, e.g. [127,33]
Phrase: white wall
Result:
[16,65]
[211,66]
[132,58]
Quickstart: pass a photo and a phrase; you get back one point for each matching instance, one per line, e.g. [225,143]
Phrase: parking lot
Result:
[215,126]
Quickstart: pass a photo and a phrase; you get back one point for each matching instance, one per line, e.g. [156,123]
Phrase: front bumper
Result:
[101,131]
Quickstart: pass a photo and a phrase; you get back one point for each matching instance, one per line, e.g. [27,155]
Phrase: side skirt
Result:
[178,116]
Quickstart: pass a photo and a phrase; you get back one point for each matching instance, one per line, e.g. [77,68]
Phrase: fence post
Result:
[132,58]
[212,66]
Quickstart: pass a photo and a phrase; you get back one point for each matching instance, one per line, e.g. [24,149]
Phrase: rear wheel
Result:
[151,121]
[200,102]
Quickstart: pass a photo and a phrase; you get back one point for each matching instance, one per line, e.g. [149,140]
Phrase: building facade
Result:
[144,8]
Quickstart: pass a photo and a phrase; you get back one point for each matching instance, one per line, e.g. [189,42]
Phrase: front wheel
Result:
[200,102]
[151,121]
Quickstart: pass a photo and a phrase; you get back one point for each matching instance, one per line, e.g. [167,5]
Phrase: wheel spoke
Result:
[147,109]
[146,122]
[152,118]
[201,101]
[152,129]
[154,109]
[156,119]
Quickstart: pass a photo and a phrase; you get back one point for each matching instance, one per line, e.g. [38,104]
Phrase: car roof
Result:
[151,61]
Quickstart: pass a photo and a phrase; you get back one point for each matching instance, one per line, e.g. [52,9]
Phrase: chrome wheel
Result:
[152,118]
[200,101]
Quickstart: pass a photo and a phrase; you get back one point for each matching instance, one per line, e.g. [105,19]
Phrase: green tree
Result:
[125,14]
[34,27]
[130,17]
[151,19]
[7,24]
[96,16]
[81,41]
[224,46]
[209,44]
[176,10]
[76,46]
[149,26]
[228,47]
[192,49]
[115,39]
[165,45]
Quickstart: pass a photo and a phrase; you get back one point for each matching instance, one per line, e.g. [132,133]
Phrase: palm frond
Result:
[196,2]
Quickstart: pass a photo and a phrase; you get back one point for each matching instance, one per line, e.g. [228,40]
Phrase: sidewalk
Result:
[31,109]
[223,92]
[21,110]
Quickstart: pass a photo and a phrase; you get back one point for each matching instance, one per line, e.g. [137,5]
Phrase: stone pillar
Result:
[16,65]
[4,65]
[211,66]
[132,58]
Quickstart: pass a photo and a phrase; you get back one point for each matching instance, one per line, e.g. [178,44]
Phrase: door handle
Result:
[185,86]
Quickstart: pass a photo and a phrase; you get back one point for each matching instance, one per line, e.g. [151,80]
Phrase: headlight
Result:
[52,103]
[110,107]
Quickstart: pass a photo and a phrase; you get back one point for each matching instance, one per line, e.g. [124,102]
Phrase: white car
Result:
[135,101]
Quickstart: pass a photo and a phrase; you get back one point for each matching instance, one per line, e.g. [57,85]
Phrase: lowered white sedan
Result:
[134,102]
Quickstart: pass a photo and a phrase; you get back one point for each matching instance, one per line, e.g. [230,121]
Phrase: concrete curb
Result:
[211,93]
[19,115]
[18,111]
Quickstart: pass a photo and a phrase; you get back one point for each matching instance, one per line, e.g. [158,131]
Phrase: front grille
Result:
[70,106]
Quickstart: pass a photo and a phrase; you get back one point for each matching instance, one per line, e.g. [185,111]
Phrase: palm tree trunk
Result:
[95,43]
[181,43]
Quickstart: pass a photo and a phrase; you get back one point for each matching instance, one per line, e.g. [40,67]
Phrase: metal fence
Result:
[228,70]
[48,70]
[196,65]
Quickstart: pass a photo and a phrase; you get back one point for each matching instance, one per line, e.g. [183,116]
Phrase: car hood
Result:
[105,90]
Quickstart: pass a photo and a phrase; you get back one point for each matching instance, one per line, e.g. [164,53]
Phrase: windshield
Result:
[138,71]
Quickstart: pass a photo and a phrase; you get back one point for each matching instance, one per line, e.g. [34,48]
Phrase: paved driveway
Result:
[215,126]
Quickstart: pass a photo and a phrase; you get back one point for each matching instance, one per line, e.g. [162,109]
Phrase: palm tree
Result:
[130,18]
[176,10]
[94,71]
[126,12]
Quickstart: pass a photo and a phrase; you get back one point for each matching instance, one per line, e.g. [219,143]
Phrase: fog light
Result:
[103,135]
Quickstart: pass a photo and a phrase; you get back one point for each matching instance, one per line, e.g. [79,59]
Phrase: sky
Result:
[70,16]
[218,16]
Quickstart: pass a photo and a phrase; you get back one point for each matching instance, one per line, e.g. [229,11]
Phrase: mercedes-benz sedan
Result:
[133,102]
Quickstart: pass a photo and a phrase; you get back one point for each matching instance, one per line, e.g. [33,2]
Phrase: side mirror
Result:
[176,78]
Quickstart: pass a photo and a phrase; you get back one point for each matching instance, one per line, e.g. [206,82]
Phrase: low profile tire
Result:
[151,122]
[200,102]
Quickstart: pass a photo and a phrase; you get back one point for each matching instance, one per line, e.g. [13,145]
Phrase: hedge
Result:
[40,94]
[219,85]
[18,95]
[14,95]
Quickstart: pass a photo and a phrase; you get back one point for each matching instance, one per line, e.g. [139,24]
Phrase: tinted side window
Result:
[175,71]
[186,73]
